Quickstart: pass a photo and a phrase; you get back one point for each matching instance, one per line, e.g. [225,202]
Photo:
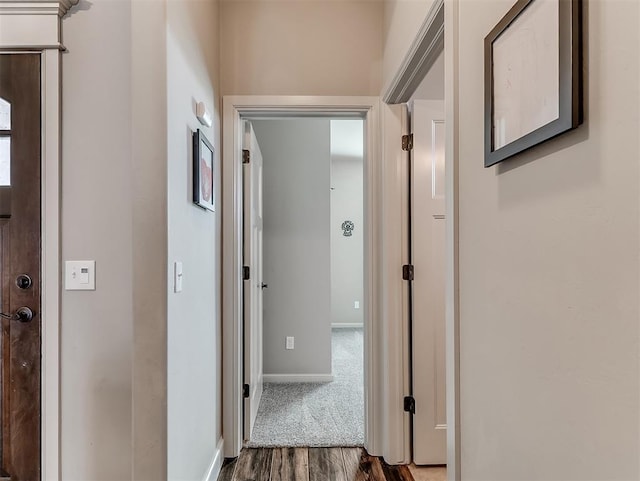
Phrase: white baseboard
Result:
[297,377]
[346,325]
[213,471]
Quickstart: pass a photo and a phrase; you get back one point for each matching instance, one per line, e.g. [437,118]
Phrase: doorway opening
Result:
[377,386]
[304,250]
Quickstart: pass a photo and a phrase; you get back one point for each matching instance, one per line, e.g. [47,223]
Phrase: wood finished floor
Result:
[319,464]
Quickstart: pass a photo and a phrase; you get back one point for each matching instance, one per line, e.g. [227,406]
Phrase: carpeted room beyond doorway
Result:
[317,414]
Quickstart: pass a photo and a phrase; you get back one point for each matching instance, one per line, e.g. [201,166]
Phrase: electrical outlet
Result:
[289,342]
[356,304]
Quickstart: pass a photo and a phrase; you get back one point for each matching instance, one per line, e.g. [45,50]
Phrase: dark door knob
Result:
[24,314]
[264,286]
[23,281]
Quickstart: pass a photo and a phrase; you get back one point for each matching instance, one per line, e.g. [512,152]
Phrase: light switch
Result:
[356,304]
[177,276]
[80,276]
[84,275]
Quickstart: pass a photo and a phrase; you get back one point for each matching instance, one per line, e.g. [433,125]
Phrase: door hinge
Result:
[245,391]
[407,142]
[407,272]
[246,273]
[246,156]
[409,404]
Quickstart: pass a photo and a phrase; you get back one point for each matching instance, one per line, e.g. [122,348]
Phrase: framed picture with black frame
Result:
[203,172]
[533,76]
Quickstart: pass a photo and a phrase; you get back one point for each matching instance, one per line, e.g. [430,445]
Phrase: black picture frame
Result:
[569,94]
[204,193]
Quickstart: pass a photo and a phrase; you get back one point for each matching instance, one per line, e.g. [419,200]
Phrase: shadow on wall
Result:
[81,6]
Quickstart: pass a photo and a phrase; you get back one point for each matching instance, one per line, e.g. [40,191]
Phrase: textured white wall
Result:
[347,203]
[549,273]
[97,326]
[314,47]
[194,318]
[296,244]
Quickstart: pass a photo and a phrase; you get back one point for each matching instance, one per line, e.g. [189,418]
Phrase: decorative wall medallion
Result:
[347,228]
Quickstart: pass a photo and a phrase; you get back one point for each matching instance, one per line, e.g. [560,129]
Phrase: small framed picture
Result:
[533,76]
[203,175]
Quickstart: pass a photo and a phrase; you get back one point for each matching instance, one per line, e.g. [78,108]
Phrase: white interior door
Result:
[428,249]
[253,286]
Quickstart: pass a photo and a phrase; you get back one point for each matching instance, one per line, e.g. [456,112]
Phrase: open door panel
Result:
[428,300]
[253,282]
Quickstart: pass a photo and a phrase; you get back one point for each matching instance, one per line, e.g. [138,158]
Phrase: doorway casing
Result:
[439,33]
[385,425]
[36,26]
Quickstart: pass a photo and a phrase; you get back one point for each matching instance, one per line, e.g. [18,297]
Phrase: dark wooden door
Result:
[20,221]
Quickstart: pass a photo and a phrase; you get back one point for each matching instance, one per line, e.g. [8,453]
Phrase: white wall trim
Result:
[37,7]
[452,306]
[378,369]
[394,294]
[32,24]
[51,265]
[213,471]
[346,325]
[297,378]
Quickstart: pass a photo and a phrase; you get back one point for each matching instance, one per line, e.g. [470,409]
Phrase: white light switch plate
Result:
[177,276]
[289,342]
[80,276]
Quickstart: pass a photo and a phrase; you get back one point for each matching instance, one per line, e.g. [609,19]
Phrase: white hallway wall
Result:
[347,252]
[114,347]
[296,173]
[114,340]
[549,273]
[97,327]
[194,427]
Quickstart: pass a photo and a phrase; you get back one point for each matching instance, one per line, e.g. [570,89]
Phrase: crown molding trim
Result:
[36,7]
[424,51]
[32,24]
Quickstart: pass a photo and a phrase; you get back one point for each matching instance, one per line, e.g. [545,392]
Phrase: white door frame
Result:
[35,26]
[452,289]
[386,426]
[439,32]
